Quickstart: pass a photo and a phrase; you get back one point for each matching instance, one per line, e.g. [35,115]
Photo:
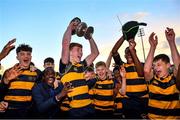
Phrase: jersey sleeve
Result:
[62,67]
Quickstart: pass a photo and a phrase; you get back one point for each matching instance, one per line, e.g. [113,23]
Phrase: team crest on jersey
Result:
[155,82]
[75,69]
[99,86]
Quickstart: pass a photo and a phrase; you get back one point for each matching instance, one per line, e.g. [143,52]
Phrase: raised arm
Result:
[170,36]
[117,45]
[108,61]
[138,65]
[7,48]
[115,54]
[148,72]
[94,52]
[123,79]
[65,44]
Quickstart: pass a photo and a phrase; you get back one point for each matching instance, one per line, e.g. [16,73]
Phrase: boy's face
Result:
[76,54]
[161,68]
[101,72]
[24,58]
[48,64]
[128,56]
[49,77]
[89,75]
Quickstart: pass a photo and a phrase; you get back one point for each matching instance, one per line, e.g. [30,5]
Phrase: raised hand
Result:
[66,89]
[122,72]
[153,40]
[170,35]
[3,106]
[12,73]
[7,48]
[73,24]
[132,44]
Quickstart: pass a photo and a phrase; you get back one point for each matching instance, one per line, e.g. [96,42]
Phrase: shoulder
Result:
[38,86]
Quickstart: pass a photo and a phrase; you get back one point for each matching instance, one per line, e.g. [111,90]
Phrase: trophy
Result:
[82,29]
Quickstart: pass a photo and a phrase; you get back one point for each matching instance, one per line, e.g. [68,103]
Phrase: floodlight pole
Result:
[141,34]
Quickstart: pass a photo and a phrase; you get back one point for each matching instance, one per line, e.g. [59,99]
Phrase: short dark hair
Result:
[23,47]
[127,50]
[47,70]
[89,69]
[100,63]
[162,57]
[73,45]
[49,59]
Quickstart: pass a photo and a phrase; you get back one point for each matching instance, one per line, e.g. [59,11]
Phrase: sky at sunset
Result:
[42,23]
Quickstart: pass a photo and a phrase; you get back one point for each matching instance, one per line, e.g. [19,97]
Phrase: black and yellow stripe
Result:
[103,95]
[19,93]
[135,86]
[79,96]
[164,100]
[64,106]
[118,103]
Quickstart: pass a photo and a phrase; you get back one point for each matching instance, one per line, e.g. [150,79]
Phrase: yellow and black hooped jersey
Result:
[164,102]
[64,106]
[118,102]
[19,93]
[103,95]
[74,74]
[135,86]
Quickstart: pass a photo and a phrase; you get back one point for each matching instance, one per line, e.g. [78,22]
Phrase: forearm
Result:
[148,64]
[175,54]
[123,87]
[138,65]
[94,52]
[65,45]
[94,48]
[117,45]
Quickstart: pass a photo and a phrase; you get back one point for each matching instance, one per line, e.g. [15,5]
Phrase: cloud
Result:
[178,40]
[124,17]
[140,15]
[164,45]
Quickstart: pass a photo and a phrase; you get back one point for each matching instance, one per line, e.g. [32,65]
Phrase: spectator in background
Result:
[49,62]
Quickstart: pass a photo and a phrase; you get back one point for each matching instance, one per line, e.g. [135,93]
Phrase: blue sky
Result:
[41,24]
